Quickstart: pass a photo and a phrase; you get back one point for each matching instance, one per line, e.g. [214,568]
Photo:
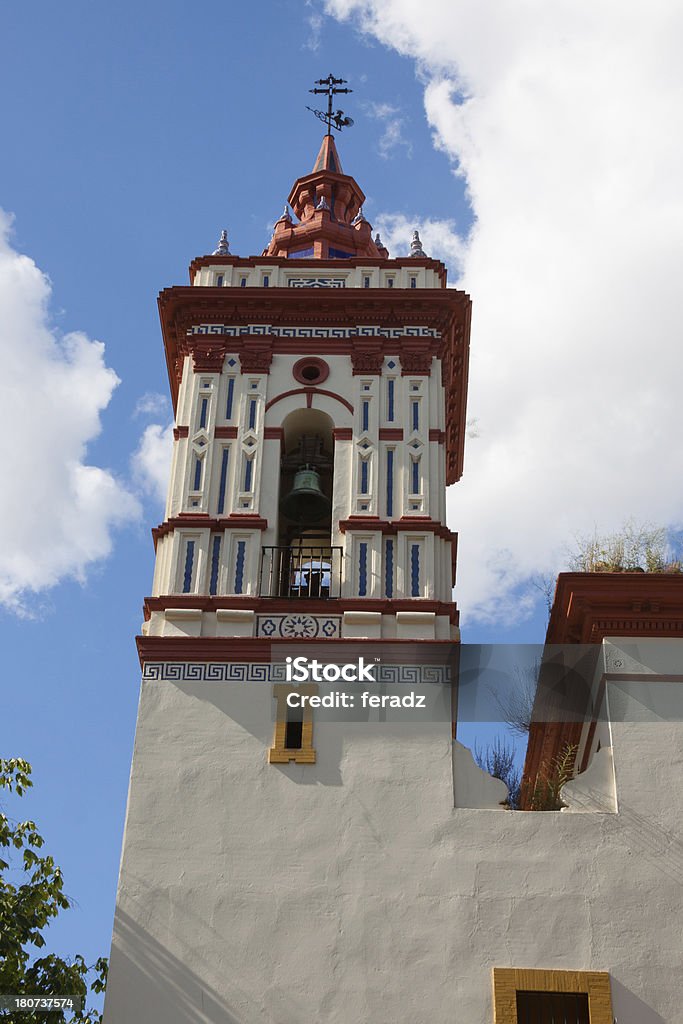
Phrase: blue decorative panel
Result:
[415,570]
[416,415]
[390,482]
[300,254]
[223,481]
[339,254]
[203,412]
[231,398]
[299,627]
[239,566]
[389,569]
[362,569]
[189,562]
[248,469]
[215,562]
[390,398]
[317,282]
[252,414]
[415,484]
[197,482]
[363,476]
[366,416]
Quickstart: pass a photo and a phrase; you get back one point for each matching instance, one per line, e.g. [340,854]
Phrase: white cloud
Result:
[439,237]
[151,462]
[393,136]
[314,20]
[151,404]
[560,119]
[57,512]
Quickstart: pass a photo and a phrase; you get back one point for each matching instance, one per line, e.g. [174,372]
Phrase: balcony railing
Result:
[301,572]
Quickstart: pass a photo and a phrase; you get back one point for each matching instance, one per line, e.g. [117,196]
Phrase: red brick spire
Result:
[328,207]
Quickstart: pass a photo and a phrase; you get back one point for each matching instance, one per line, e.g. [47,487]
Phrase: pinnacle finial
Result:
[223,247]
[416,246]
[359,218]
[322,204]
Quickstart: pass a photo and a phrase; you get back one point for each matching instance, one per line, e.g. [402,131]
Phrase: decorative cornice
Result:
[203,521]
[415,524]
[313,606]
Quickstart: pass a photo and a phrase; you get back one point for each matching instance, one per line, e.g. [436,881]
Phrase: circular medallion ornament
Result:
[310,370]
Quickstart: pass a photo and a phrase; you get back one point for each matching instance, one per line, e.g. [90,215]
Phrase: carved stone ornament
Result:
[367,359]
[207,354]
[256,357]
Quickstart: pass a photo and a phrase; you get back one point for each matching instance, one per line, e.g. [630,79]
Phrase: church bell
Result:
[306,502]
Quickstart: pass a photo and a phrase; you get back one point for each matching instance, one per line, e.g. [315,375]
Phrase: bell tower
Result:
[319,391]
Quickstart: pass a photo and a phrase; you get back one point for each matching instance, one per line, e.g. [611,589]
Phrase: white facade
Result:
[353,889]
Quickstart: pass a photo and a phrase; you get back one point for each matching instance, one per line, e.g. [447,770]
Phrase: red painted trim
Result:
[417,525]
[203,521]
[437,435]
[313,363]
[342,433]
[187,648]
[273,434]
[309,392]
[179,432]
[390,434]
[225,432]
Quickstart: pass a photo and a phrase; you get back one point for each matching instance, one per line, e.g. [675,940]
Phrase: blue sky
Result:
[134,133]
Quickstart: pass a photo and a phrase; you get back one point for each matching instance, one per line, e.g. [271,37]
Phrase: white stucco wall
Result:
[353,891]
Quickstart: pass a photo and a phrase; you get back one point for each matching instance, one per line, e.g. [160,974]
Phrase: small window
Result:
[293,739]
[366,282]
[219,281]
[243,282]
[390,282]
[294,733]
[266,280]
[544,997]
[413,282]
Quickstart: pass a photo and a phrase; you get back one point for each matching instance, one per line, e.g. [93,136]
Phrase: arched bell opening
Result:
[304,564]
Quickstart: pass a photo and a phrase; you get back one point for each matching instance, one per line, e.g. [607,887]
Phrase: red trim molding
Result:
[390,434]
[179,432]
[274,434]
[225,432]
[343,433]
[188,648]
[392,526]
[200,520]
[309,392]
[437,435]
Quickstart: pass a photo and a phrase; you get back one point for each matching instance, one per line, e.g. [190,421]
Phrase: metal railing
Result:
[301,571]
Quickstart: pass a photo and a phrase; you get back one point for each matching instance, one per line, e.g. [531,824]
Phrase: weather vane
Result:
[333,119]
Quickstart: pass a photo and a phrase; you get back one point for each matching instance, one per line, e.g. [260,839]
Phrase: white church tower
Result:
[285,864]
